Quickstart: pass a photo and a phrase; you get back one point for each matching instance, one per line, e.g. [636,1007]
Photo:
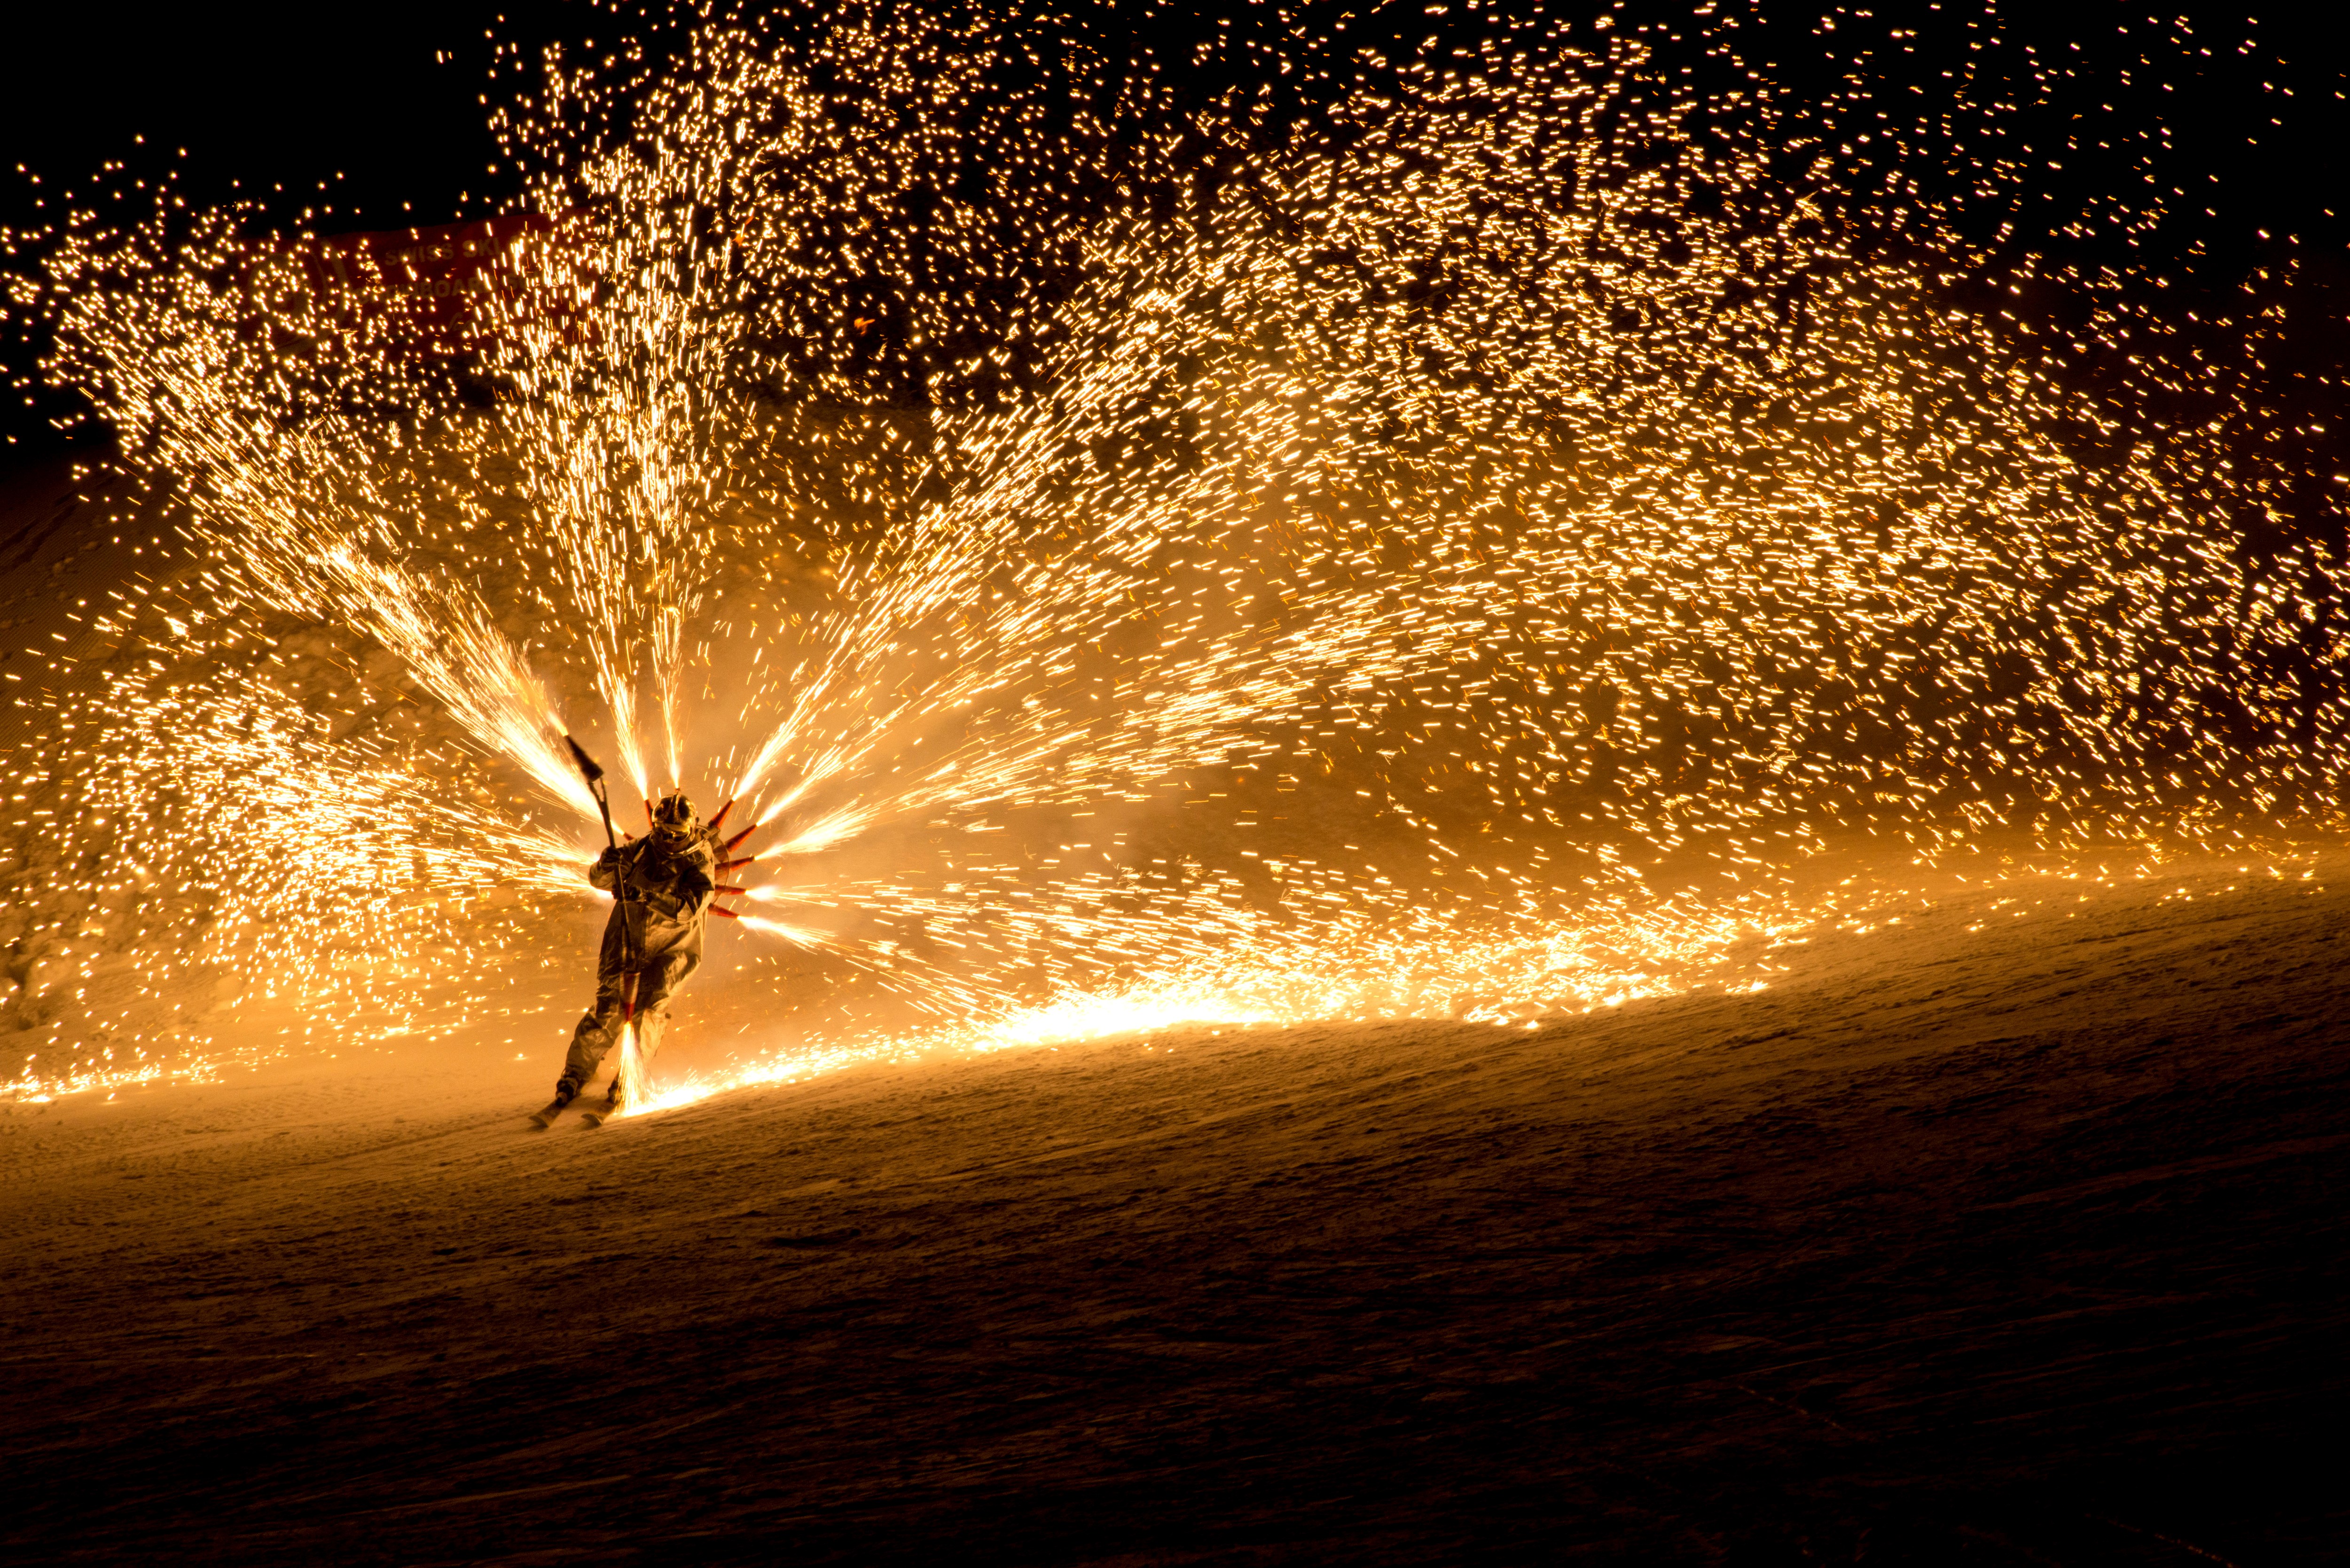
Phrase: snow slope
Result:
[2012,1233]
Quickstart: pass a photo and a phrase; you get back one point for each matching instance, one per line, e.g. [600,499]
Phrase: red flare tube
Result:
[724,889]
[742,836]
[720,820]
[728,913]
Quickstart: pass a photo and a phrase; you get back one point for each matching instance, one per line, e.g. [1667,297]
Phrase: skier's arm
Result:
[694,884]
[605,871]
[696,890]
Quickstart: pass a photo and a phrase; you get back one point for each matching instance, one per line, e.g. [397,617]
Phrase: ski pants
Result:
[657,982]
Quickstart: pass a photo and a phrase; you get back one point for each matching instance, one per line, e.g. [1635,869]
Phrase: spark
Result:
[1471,553]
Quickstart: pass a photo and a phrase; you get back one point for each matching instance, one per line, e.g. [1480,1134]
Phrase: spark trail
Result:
[1538,520]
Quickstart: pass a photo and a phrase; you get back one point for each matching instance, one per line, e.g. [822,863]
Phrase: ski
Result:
[596,1115]
[544,1117]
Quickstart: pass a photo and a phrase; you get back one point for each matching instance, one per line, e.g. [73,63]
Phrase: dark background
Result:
[332,118]
[354,118]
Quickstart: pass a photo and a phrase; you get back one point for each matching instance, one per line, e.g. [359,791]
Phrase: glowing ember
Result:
[1468,557]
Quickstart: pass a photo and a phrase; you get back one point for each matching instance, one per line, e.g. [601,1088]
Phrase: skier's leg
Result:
[659,983]
[649,1034]
[597,1030]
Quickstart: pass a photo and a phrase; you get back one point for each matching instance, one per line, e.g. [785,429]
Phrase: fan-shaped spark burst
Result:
[1504,468]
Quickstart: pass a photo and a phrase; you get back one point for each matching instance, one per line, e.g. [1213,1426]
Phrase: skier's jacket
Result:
[669,891]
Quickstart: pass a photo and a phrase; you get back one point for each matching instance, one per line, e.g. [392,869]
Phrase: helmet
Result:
[673,818]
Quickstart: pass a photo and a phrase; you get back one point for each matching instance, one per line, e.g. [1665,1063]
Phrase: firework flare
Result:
[1129,554]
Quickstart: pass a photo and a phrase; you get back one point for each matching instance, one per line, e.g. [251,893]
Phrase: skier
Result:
[663,887]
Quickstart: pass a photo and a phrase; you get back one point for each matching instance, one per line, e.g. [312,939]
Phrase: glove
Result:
[609,860]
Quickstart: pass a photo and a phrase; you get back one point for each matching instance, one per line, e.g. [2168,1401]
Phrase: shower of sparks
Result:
[1462,557]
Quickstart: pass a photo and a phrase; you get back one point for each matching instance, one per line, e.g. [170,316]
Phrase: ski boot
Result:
[566,1090]
[613,1100]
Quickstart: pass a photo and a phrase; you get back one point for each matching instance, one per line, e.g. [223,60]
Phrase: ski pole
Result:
[594,774]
